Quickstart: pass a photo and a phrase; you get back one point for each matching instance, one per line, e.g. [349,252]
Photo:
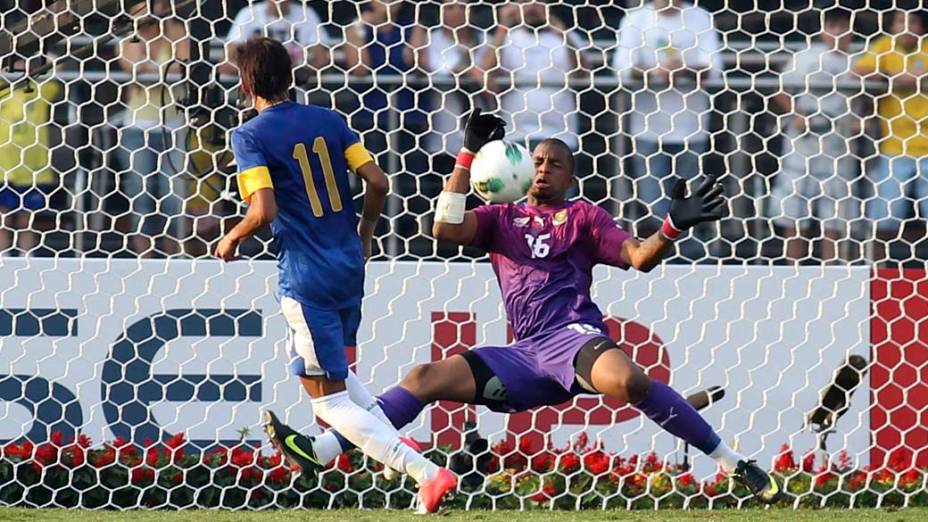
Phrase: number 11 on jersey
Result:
[321,150]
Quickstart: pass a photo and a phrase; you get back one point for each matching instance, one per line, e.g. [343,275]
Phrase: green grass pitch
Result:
[777,515]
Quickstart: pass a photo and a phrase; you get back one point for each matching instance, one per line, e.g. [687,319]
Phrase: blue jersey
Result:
[303,153]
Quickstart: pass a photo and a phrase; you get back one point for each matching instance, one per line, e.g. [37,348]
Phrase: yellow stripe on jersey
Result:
[356,155]
[252,180]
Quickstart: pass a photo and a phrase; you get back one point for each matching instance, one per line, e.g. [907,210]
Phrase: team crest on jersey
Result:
[560,218]
[520,221]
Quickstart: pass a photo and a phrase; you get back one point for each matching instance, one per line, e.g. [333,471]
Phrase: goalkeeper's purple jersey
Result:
[544,257]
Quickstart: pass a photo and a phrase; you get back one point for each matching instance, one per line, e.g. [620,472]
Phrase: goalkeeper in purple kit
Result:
[543,252]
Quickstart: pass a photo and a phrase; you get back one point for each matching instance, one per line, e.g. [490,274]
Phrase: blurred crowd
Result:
[407,80]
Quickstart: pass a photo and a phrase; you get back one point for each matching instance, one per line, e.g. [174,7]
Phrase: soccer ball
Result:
[502,172]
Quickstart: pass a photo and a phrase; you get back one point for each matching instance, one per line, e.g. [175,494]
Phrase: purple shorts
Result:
[539,370]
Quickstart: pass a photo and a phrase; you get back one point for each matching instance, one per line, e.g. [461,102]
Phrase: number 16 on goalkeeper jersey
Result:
[293,162]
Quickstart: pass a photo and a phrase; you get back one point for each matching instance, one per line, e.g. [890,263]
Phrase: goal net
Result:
[134,366]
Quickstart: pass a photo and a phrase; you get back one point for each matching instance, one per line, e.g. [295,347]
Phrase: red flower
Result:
[857,481]
[142,475]
[899,461]
[785,461]
[583,443]
[242,457]
[274,460]
[503,447]
[638,481]
[344,463]
[103,458]
[909,478]
[73,456]
[493,464]
[21,451]
[152,456]
[278,475]
[548,491]
[128,454]
[822,478]
[57,438]
[686,480]
[652,463]
[84,441]
[569,463]
[808,462]
[46,454]
[624,470]
[596,462]
[543,462]
[844,461]
[176,441]
[525,446]
[251,473]
[119,442]
[884,475]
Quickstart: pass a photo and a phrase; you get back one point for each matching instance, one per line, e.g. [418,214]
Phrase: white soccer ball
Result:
[502,172]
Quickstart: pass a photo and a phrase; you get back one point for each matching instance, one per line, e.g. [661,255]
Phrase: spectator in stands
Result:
[292,23]
[452,56]
[383,50]
[666,49]
[150,154]
[25,170]
[817,170]
[382,45]
[534,48]
[900,177]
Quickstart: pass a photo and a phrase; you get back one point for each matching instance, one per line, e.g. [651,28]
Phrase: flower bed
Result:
[119,475]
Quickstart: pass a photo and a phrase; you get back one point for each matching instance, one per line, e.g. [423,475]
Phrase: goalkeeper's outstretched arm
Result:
[703,205]
[452,222]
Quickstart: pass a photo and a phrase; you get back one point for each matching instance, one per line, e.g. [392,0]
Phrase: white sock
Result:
[326,447]
[361,396]
[372,436]
[726,457]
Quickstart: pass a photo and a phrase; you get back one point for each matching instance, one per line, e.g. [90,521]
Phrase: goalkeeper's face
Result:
[553,174]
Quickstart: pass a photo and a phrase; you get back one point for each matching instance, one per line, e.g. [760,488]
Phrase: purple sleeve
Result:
[607,238]
[488,220]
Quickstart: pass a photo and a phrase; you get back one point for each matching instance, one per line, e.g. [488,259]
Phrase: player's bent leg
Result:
[447,380]
[373,437]
[455,378]
[319,359]
[611,372]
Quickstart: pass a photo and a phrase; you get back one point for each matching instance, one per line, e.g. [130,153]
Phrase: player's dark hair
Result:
[265,67]
[563,146]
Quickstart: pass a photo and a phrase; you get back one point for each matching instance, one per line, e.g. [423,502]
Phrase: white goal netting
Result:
[134,367]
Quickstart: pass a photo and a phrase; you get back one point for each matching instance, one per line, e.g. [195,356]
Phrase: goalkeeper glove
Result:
[480,129]
[704,204]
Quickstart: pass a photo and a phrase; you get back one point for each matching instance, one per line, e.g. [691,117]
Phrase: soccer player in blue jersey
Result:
[293,163]
[543,252]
